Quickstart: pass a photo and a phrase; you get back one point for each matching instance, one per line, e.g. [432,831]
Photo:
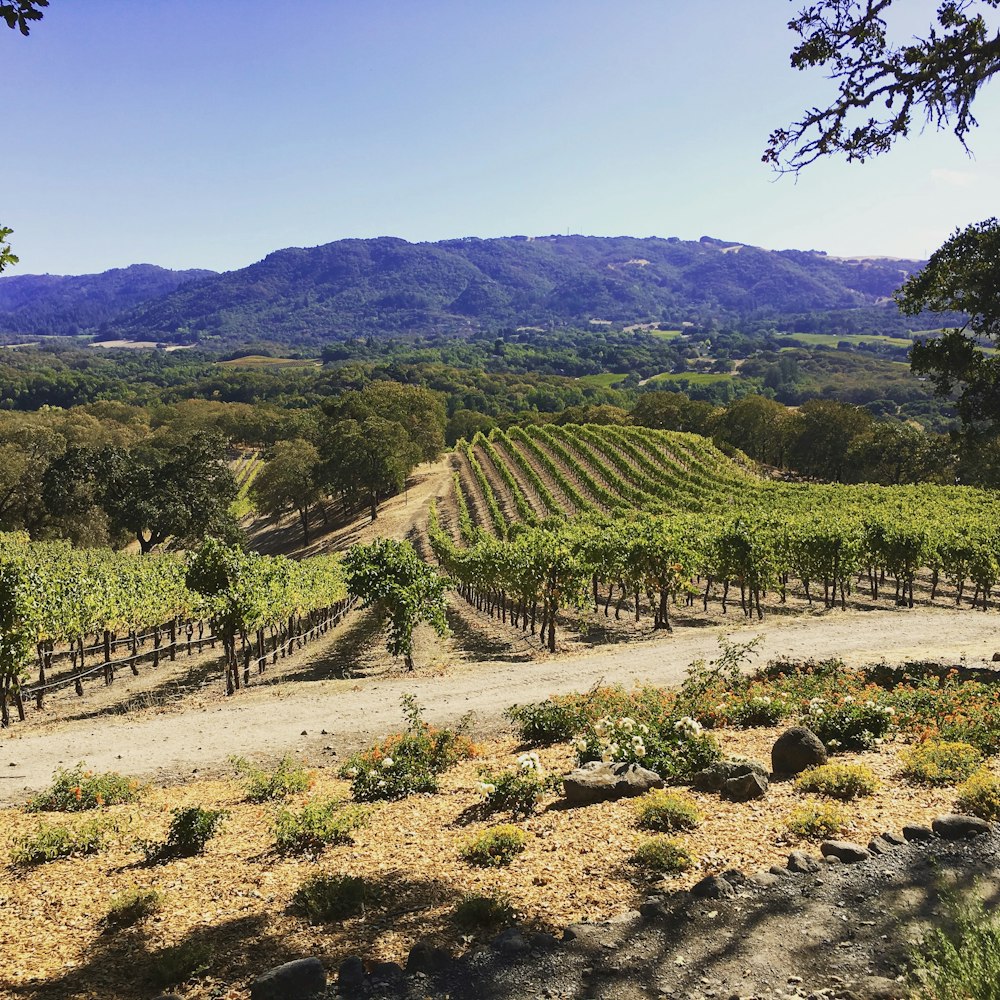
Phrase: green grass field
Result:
[693,378]
[832,339]
[262,361]
[605,380]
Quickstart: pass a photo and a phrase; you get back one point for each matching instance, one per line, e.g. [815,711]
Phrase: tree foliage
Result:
[20,13]
[932,79]
[391,578]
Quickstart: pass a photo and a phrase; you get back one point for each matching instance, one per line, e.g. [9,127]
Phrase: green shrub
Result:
[756,710]
[817,821]
[484,912]
[838,781]
[515,791]
[51,841]
[263,786]
[75,790]
[496,846]
[407,762]
[979,795]
[661,854]
[175,965]
[127,908]
[849,725]
[961,960]
[666,812]
[940,762]
[554,720]
[316,825]
[190,830]
[326,898]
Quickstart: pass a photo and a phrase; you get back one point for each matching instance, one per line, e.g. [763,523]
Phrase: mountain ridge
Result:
[389,286]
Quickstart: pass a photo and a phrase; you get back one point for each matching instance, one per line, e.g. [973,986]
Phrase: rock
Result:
[713,887]
[996,657]
[713,777]
[895,839]
[351,975]
[955,827]
[386,972]
[510,942]
[877,846]
[913,831]
[296,980]
[764,879]
[844,850]
[881,988]
[799,861]
[597,781]
[779,871]
[795,750]
[651,906]
[427,958]
[745,787]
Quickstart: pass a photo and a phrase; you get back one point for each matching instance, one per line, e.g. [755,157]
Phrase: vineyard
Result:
[69,611]
[551,518]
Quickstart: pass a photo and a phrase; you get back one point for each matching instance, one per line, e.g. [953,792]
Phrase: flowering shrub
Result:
[407,762]
[663,855]
[941,762]
[666,811]
[318,823]
[980,795]
[515,791]
[848,724]
[75,790]
[838,781]
[675,749]
[496,846]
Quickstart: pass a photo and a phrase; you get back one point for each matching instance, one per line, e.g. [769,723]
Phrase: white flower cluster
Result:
[760,699]
[387,763]
[486,787]
[687,727]
[816,706]
[351,772]
[530,762]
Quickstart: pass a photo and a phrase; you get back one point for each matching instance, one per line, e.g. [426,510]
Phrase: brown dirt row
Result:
[567,472]
[553,487]
[501,491]
[517,472]
[474,495]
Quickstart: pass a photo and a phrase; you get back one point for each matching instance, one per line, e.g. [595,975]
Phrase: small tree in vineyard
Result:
[402,589]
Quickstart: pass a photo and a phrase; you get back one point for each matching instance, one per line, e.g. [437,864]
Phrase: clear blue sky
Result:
[207,133]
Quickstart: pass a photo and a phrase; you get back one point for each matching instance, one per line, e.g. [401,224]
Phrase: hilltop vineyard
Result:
[556,517]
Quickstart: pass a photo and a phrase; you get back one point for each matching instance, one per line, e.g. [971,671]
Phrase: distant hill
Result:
[34,304]
[388,286]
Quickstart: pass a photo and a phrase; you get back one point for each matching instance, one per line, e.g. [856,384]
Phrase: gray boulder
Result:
[955,827]
[597,781]
[914,831]
[745,787]
[844,850]
[351,975]
[714,777]
[296,980]
[713,887]
[799,861]
[795,750]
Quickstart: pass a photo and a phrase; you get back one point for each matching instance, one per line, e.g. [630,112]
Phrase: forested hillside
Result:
[66,305]
[388,286]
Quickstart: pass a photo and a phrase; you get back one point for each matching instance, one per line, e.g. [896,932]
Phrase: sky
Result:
[208,133]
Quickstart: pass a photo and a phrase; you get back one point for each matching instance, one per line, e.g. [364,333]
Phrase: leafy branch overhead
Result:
[883,88]
[20,13]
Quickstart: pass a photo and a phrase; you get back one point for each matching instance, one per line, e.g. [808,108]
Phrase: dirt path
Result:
[321,717]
